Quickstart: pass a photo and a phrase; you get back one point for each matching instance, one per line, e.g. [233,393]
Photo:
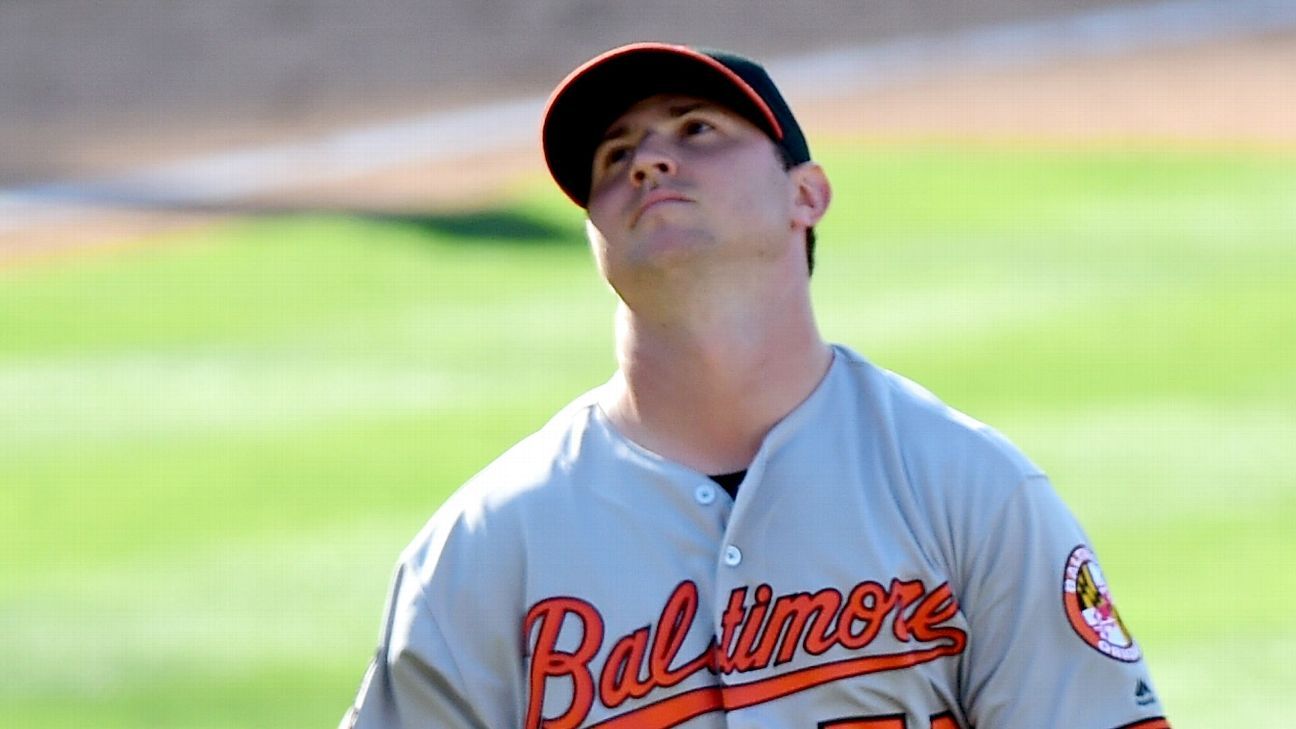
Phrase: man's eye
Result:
[613,155]
[696,126]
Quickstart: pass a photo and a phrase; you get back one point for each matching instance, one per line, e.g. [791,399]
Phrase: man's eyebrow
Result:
[682,109]
[613,132]
[675,112]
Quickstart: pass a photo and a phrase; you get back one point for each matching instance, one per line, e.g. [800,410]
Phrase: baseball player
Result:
[746,526]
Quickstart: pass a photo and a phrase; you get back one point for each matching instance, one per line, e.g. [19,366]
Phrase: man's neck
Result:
[705,391]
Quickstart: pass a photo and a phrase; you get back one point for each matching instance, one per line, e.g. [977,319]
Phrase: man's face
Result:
[680,180]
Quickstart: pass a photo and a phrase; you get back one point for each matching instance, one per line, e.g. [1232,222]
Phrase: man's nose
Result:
[651,161]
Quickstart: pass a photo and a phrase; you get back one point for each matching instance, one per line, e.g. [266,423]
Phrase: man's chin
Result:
[671,249]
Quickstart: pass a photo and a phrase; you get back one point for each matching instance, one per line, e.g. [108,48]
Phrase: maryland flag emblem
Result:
[1090,609]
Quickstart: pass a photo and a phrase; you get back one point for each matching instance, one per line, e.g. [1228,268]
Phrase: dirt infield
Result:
[1226,92]
[1236,92]
[86,84]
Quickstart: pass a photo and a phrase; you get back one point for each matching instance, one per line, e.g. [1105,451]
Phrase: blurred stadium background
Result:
[89,85]
[275,277]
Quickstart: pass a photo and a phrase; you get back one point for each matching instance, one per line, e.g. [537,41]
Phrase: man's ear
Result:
[812,193]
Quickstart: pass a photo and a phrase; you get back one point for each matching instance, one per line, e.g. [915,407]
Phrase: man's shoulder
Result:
[924,426]
[536,461]
[511,487]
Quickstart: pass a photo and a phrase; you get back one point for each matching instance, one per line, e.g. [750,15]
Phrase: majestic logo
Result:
[755,634]
[1143,694]
[1090,608]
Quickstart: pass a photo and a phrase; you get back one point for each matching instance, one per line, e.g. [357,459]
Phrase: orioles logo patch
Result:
[1090,609]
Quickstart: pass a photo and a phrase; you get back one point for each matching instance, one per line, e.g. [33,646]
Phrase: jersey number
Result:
[896,721]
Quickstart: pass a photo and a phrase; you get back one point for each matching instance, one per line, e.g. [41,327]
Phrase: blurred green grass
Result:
[212,448]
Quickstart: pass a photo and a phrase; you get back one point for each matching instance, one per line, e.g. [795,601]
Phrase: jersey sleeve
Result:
[413,680]
[1046,645]
[444,659]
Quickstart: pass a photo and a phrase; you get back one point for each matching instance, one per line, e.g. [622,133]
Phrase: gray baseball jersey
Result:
[888,563]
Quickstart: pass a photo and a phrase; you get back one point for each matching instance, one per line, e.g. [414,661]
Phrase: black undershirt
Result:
[730,481]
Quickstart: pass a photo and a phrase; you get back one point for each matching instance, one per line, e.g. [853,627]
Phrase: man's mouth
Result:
[654,199]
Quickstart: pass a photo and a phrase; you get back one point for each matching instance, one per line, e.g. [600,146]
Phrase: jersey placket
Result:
[741,564]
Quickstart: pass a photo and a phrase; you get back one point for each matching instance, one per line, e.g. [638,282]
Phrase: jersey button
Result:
[732,555]
[705,494]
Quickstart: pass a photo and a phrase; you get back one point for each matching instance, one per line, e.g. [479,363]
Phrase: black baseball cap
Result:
[595,94]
